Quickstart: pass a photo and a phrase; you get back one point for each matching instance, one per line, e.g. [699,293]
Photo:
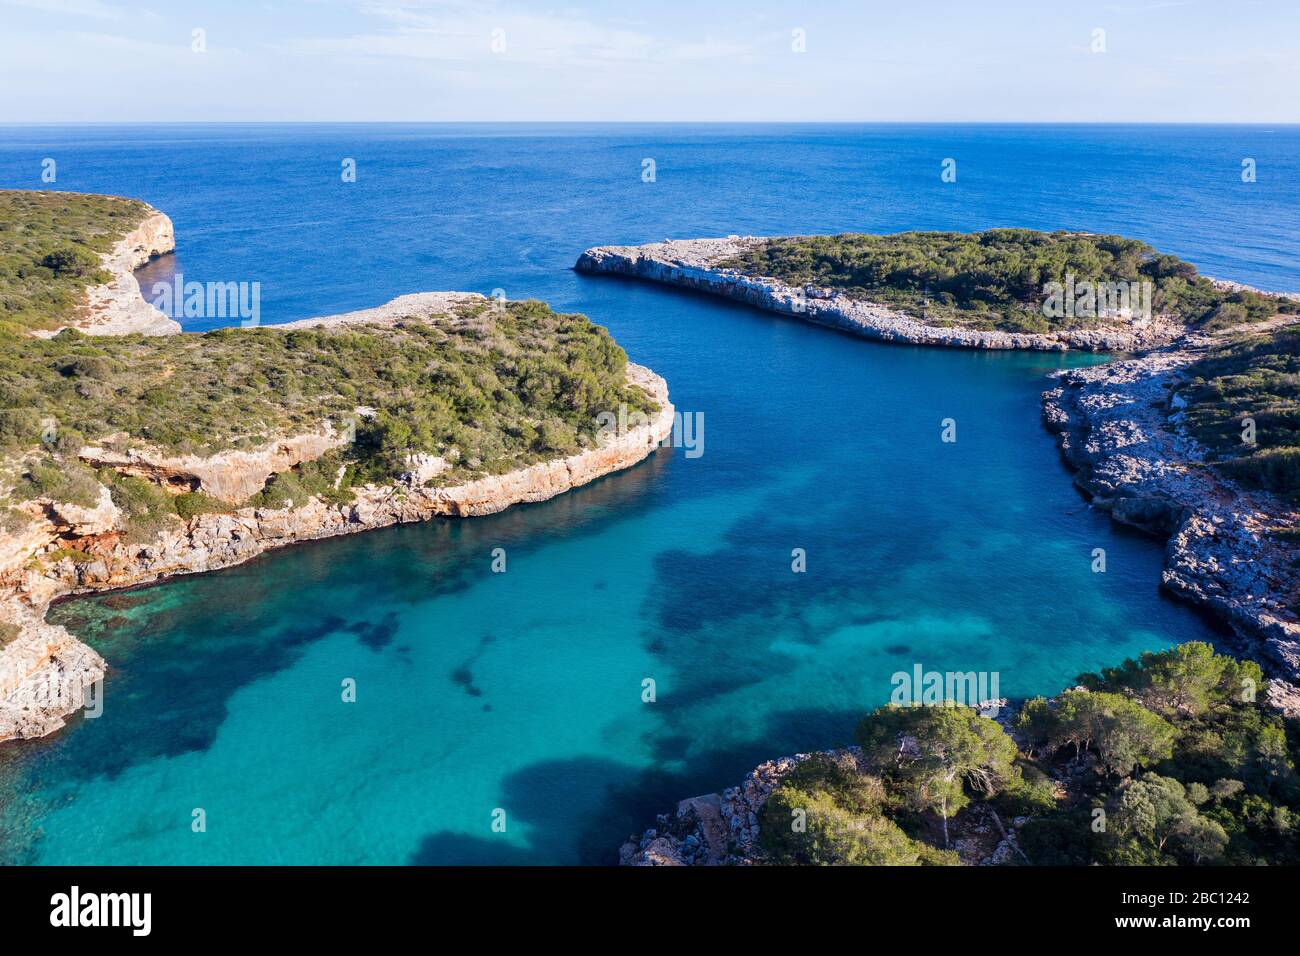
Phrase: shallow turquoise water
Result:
[522,691]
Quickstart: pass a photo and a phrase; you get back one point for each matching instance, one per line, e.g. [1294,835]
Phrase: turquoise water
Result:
[522,691]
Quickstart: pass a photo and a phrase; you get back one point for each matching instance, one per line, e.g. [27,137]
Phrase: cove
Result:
[522,691]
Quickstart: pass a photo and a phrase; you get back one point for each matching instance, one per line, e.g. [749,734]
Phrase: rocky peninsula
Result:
[699,264]
[51,546]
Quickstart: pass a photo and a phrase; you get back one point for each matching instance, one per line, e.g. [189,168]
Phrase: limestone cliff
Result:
[230,476]
[117,307]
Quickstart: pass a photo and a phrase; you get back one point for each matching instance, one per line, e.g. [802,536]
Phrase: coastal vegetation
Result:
[50,248]
[1173,758]
[1243,404]
[487,389]
[999,278]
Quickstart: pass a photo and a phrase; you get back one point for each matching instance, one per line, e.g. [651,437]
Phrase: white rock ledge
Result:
[117,307]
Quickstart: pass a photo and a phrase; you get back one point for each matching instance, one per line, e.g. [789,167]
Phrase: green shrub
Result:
[50,250]
[1253,380]
[502,392]
[66,482]
[826,815]
[193,503]
[19,427]
[146,507]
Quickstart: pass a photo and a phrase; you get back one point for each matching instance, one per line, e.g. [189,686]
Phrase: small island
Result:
[130,452]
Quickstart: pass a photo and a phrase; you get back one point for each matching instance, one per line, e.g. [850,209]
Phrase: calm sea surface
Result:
[523,691]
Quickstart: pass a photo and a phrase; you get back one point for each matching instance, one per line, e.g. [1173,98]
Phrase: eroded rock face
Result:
[1117,427]
[46,674]
[44,671]
[230,476]
[690,263]
[77,521]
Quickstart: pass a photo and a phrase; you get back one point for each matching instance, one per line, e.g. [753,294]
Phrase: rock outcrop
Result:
[1229,550]
[230,476]
[691,264]
[720,828]
[117,307]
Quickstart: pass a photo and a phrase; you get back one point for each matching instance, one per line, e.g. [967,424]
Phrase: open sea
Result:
[522,692]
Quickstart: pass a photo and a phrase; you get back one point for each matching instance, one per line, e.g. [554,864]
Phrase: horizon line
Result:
[578,122]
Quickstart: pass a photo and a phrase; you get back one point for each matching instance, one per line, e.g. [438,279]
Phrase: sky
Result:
[70,61]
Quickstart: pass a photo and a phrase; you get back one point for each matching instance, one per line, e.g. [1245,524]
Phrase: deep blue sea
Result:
[522,692]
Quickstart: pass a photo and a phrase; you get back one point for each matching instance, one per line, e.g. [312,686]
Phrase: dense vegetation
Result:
[996,279]
[50,245]
[487,389]
[490,391]
[1255,378]
[1170,759]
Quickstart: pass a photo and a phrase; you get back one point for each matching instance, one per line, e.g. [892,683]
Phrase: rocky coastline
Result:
[117,307]
[691,264]
[1119,429]
[46,673]
[722,829]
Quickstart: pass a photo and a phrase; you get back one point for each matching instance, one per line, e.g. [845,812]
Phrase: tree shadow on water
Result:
[578,811]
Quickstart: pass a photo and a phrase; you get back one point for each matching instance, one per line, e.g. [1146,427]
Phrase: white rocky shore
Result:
[722,829]
[117,307]
[1119,428]
[45,672]
[692,264]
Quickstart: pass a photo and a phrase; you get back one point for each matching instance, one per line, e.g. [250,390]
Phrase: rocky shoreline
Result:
[118,307]
[691,264]
[45,672]
[722,829]
[1118,427]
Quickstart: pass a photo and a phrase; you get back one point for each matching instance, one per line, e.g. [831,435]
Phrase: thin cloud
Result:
[77,8]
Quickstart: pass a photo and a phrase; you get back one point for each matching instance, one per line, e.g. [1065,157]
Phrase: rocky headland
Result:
[45,670]
[60,548]
[117,307]
[694,264]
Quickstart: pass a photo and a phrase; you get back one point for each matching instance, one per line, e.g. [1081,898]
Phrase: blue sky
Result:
[915,60]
